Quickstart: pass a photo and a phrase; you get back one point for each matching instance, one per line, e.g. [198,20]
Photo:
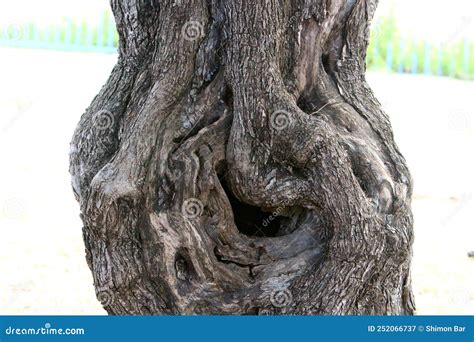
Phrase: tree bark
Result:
[237,162]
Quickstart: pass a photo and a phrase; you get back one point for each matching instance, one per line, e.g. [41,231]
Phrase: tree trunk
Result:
[237,162]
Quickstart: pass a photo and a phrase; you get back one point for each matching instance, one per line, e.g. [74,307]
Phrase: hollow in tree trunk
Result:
[237,162]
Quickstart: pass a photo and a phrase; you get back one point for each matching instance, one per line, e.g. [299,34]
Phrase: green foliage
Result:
[69,34]
[390,50]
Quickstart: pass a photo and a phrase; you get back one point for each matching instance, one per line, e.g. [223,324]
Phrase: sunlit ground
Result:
[42,263]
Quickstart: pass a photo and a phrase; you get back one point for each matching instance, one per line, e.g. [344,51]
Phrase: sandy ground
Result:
[42,264]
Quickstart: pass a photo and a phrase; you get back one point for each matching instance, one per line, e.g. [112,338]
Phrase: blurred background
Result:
[56,54]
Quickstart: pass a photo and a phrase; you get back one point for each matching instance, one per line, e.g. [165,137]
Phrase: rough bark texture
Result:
[237,162]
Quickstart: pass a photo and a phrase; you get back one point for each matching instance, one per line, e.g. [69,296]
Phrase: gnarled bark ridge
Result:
[237,162]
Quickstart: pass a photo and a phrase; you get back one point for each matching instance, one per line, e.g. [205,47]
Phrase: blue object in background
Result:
[426,65]
[390,56]
[394,51]
[414,63]
[69,34]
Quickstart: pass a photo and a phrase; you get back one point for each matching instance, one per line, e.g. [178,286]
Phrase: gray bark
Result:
[237,162]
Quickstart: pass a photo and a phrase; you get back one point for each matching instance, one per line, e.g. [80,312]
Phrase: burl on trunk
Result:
[237,162]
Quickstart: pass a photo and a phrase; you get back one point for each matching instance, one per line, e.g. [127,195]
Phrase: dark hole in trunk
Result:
[326,63]
[251,220]
[228,97]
